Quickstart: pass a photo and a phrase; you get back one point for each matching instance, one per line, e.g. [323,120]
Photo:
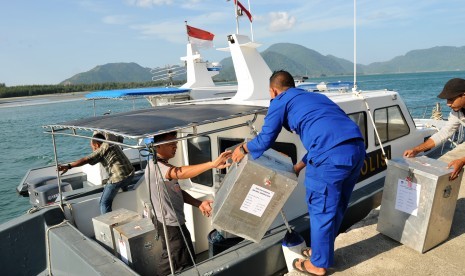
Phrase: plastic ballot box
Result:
[104,224]
[418,202]
[252,193]
[137,245]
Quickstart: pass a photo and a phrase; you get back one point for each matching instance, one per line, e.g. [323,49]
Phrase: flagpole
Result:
[187,32]
[237,16]
[355,45]
[251,26]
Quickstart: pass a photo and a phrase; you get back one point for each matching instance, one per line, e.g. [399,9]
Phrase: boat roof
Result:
[134,93]
[145,123]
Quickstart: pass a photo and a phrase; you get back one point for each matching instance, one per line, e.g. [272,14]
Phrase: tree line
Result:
[35,90]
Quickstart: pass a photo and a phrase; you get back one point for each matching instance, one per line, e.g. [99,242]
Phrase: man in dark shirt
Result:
[335,155]
[116,163]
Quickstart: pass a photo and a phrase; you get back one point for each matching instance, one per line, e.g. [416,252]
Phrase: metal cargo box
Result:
[418,202]
[252,193]
[104,224]
[136,245]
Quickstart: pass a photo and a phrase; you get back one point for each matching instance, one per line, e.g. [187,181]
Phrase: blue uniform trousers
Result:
[329,181]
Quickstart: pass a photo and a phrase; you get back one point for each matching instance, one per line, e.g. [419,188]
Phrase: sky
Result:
[48,41]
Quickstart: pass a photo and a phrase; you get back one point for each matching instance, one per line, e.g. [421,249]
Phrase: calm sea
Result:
[24,144]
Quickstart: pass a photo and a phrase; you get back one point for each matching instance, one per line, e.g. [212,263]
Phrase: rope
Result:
[47,240]
[359,95]
[38,208]
[436,114]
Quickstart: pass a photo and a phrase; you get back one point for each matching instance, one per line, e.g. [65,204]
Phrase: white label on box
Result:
[408,197]
[257,200]
[122,251]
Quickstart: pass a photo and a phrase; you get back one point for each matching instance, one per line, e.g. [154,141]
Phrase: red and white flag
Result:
[200,38]
[243,9]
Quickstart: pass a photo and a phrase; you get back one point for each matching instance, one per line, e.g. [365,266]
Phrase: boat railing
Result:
[427,112]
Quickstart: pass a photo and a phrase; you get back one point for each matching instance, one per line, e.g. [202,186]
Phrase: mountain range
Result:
[298,60]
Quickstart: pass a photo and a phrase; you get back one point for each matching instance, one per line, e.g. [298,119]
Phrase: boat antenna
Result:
[236,12]
[251,25]
[355,47]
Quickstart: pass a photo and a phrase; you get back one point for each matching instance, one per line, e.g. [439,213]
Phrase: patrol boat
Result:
[59,238]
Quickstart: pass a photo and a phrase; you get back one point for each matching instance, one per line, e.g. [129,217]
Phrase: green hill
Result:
[296,59]
[117,72]
[112,72]
[299,61]
[444,58]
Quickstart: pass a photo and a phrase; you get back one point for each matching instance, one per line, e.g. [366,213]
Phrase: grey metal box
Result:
[252,193]
[104,224]
[136,245]
[418,202]
[42,195]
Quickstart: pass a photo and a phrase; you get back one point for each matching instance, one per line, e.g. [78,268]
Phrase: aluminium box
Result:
[418,202]
[138,246]
[104,224]
[252,193]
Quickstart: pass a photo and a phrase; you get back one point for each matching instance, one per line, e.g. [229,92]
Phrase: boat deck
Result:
[364,251]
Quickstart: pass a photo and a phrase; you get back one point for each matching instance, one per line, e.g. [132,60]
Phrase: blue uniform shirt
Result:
[320,123]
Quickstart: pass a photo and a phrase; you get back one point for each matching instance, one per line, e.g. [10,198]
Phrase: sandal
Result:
[302,268]
[306,252]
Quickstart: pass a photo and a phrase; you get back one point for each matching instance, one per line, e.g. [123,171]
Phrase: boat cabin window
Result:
[390,123]
[287,148]
[360,118]
[199,151]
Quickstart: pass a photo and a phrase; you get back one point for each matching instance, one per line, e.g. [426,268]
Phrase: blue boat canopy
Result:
[134,93]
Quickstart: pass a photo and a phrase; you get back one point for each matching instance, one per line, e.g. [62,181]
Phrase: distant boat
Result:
[342,86]
[214,66]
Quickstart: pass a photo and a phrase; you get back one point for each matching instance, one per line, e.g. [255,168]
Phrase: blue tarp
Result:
[134,92]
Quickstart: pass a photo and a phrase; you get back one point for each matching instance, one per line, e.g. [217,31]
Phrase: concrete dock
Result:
[362,250]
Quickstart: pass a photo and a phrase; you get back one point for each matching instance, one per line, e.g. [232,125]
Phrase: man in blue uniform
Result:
[335,155]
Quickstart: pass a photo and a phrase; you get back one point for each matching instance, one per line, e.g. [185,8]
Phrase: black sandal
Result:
[302,268]
[306,252]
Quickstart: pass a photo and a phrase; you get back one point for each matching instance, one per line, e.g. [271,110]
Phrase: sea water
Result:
[24,145]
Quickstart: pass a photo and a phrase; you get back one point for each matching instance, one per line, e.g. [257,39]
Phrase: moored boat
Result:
[59,238]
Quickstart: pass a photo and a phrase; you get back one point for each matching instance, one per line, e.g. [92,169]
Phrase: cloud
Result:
[280,21]
[192,4]
[148,3]
[116,19]
[163,30]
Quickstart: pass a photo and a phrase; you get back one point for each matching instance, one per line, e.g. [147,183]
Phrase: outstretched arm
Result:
[427,145]
[186,172]
[65,167]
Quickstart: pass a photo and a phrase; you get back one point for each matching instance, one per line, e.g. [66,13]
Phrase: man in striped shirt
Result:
[116,163]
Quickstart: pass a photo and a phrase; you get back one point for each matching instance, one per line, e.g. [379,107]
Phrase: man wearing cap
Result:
[454,93]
